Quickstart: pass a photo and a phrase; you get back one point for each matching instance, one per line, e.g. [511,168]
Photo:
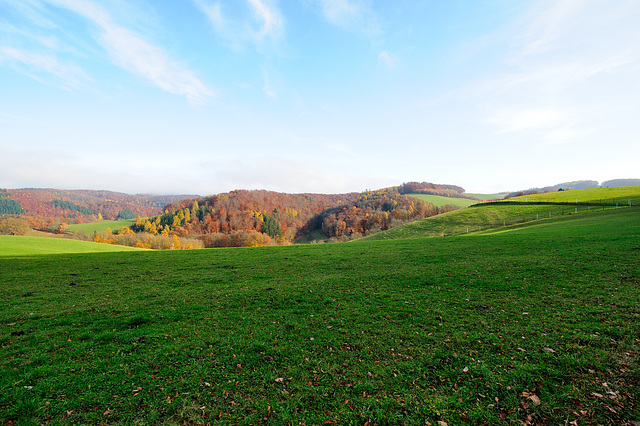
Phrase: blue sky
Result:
[206,96]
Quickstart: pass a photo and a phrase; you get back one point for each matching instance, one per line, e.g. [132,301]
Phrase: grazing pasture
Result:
[539,324]
[622,195]
[98,227]
[497,196]
[13,245]
[440,201]
[482,217]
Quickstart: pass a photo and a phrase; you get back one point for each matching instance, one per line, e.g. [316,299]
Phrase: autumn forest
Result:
[238,218]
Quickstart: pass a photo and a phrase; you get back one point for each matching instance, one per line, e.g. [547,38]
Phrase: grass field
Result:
[13,245]
[480,217]
[442,201]
[498,196]
[539,324]
[90,228]
[621,195]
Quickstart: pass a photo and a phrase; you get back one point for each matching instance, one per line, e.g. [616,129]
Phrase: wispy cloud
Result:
[35,64]
[271,19]
[352,15]
[265,22]
[126,48]
[267,88]
[131,52]
[387,59]
[566,66]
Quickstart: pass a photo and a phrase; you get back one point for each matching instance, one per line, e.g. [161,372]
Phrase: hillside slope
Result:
[513,212]
[78,206]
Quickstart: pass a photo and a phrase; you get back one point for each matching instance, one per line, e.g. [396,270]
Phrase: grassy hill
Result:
[473,219]
[90,228]
[13,245]
[497,196]
[621,195]
[482,217]
[539,324]
[440,201]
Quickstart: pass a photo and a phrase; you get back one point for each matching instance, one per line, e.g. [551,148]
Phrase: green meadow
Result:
[98,227]
[439,201]
[622,195]
[534,324]
[13,245]
[482,217]
[498,196]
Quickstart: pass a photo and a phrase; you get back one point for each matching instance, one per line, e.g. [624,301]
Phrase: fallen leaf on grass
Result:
[535,399]
[107,412]
[549,350]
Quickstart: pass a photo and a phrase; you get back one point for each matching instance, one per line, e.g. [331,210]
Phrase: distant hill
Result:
[578,184]
[46,206]
[614,183]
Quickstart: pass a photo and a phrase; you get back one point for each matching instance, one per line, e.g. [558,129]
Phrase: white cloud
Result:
[569,65]
[126,48]
[131,52]
[387,59]
[276,173]
[266,22]
[352,15]
[151,63]
[272,21]
[267,88]
[34,64]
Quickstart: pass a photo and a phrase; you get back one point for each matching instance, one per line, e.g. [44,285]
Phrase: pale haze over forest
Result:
[206,96]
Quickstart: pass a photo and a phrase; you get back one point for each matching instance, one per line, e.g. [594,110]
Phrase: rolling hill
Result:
[535,325]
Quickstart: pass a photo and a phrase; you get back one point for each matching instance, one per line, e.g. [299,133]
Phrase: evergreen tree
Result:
[271,226]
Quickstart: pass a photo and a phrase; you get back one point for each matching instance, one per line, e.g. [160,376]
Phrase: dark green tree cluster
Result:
[9,206]
[126,214]
[271,225]
[68,205]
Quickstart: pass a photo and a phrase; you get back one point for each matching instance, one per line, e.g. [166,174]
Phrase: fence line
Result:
[574,209]
[612,203]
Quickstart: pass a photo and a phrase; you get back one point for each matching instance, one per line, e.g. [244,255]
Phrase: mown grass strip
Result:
[13,245]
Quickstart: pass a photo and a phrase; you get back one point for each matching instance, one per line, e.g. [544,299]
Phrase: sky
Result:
[328,96]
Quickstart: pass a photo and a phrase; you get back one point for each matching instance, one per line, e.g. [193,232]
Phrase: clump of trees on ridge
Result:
[259,217]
